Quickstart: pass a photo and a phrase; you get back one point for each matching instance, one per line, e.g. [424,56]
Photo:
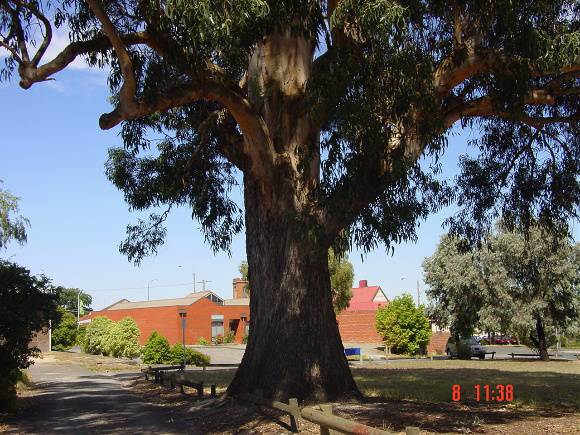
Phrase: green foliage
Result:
[64,330]
[229,337]
[67,298]
[245,339]
[243,269]
[202,341]
[157,350]
[508,284]
[27,306]
[341,276]
[81,336]
[12,225]
[403,326]
[123,339]
[245,274]
[192,356]
[97,336]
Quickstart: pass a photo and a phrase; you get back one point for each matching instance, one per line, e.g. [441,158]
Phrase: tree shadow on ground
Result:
[422,397]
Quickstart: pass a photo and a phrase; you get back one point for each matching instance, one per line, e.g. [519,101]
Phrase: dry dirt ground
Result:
[220,416]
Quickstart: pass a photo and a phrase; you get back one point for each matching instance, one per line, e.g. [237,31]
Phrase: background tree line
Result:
[526,284]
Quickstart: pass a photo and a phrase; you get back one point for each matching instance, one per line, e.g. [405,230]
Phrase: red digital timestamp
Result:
[486,393]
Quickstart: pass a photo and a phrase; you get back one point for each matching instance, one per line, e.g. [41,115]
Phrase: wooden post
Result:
[294,416]
[411,430]
[324,430]
[200,390]
[213,393]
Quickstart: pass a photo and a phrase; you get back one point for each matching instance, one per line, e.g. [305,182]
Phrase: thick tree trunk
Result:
[294,347]
[542,343]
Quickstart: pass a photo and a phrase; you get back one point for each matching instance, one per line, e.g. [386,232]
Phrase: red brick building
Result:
[357,323]
[208,315]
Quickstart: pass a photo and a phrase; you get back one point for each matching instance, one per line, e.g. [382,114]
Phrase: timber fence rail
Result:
[321,415]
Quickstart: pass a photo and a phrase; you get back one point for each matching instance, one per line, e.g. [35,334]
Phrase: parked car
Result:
[477,350]
[504,339]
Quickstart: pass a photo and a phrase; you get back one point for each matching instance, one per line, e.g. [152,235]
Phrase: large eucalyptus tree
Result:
[327,108]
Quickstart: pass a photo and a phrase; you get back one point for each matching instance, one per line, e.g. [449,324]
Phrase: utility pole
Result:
[78,308]
[202,282]
[154,279]
[418,295]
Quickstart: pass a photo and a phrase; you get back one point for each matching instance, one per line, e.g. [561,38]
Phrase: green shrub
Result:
[157,350]
[202,341]
[64,331]
[81,336]
[192,356]
[97,335]
[123,339]
[230,337]
[245,339]
[219,339]
[403,327]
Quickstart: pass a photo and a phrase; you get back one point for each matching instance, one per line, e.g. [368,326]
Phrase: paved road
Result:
[73,400]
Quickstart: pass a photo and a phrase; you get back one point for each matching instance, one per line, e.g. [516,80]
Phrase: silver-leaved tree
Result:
[327,108]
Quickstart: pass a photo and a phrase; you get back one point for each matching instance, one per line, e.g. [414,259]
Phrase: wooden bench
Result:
[491,353]
[535,355]
[180,379]
[156,372]
[352,351]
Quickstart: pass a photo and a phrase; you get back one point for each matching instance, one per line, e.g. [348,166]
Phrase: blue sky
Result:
[52,157]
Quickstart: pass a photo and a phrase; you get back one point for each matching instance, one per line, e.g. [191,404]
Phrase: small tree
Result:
[123,339]
[403,326]
[26,307]
[157,350]
[12,225]
[69,299]
[64,331]
[341,276]
[97,336]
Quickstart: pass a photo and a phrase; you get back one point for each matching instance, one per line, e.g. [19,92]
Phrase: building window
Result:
[217,326]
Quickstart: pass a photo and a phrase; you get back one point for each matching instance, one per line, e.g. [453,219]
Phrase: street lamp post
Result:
[183,317]
[148,284]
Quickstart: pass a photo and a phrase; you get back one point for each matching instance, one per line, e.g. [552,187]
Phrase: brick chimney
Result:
[363,283]
[239,288]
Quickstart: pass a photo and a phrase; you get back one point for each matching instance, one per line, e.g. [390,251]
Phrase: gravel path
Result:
[70,399]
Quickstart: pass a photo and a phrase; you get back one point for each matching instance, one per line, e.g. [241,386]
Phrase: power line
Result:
[137,288]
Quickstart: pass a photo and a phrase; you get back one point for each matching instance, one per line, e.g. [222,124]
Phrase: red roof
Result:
[363,298]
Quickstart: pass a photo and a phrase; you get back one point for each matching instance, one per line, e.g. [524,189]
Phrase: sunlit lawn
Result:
[542,384]
[554,384]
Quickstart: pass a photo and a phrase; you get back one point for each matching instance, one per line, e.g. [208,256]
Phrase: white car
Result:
[477,350]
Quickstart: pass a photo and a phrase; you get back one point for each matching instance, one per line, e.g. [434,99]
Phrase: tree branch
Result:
[47,27]
[487,106]
[452,72]
[127,92]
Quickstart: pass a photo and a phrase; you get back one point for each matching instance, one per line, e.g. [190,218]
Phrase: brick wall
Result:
[438,342]
[358,326]
[166,321]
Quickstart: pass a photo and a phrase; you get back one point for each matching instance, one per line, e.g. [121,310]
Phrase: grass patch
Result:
[541,384]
